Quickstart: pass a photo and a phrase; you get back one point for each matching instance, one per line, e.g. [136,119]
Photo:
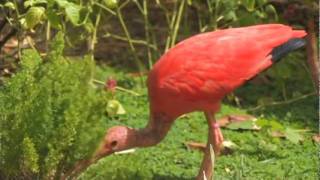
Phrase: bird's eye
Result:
[113,144]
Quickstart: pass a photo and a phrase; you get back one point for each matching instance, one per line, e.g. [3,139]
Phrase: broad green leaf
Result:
[34,16]
[121,109]
[89,26]
[293,136]
[250,5]
[231,15]
[10,5]
[23,23]
[73,13]
[271,10]
[247,18]
[260,14]
[274,125]
[62,3]
[53,18]
[261,2]
[111,3]
[248,125]
[40,1]
[115,108]
[30,3]
[229,144]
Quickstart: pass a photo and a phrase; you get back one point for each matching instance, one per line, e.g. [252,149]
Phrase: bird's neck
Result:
[157,128]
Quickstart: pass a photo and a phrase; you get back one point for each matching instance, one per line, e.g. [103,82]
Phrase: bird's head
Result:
[117,138]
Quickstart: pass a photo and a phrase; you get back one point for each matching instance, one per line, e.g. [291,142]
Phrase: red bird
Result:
[196,74]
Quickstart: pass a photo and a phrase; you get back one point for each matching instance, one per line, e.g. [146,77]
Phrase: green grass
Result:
[259,156]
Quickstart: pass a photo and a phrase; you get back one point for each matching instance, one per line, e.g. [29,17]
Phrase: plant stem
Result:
[283,102]
[105,8]
[48,35]
[94,34]
[155,45]
[139,6]
[177,24]
[284,91]
[166,12]
[118,88]
[124,4]
[210,10]
[312,52]
[173,18]
[215,18]
[92,45]
[147,30]
[31,44]
[19,32]
[133,50]
[127,91]
[134,41]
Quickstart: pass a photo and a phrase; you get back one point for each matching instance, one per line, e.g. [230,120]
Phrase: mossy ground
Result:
[259,155]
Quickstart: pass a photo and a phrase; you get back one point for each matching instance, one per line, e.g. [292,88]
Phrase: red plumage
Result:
[199,71]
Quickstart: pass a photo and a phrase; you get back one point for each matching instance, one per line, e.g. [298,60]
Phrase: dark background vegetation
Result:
[54,107]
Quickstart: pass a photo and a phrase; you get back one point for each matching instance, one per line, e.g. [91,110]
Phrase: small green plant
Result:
[51,116]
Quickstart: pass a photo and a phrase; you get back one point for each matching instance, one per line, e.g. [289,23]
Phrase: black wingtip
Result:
[282,50]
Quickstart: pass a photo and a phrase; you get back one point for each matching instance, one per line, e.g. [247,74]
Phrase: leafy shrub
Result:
[50,115]
[233,13]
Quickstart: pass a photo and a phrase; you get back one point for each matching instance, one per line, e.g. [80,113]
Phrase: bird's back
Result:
[199,71]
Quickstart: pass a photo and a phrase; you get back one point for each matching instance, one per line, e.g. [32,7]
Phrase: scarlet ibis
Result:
[196,74]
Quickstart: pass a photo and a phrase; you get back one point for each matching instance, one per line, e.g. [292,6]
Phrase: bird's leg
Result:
[215,138]
[214,132]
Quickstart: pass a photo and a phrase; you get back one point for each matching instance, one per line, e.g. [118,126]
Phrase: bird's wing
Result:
[213,64]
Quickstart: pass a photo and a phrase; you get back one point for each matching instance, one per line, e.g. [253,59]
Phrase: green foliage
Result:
[30,156]
[70,9]
[50,114]
[34,12]
[34,16]
[240,13]
[288,79]
[64,15]
[111,3]
[293,136]
[179,19]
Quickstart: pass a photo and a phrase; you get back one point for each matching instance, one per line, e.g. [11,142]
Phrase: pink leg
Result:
[215,138]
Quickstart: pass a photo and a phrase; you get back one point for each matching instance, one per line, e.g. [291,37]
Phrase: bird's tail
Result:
[284,49]
[297,41]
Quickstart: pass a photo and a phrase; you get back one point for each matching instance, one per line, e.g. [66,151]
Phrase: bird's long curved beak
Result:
[102,152]
[83,164]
